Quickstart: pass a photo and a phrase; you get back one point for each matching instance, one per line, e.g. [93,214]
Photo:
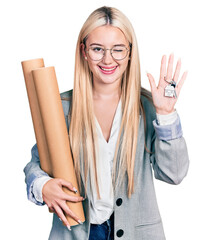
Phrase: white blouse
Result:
[101,209]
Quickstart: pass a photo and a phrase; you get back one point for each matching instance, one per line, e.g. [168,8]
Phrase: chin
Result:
[109,79]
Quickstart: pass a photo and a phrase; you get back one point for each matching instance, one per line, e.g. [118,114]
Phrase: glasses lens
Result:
[119,52]
[96,53]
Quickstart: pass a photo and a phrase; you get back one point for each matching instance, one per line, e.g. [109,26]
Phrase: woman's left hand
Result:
[165,105]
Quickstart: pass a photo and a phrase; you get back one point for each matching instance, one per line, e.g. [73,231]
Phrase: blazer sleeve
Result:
[166,145]
[169,156]
[32,172]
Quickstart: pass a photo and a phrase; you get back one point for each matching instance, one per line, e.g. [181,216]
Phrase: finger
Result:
[177,70]
[61,215]
[68,185]
[51,209]
[162,72]
[170,68]
[152,82]
[182,80]
[71,213]
[70,198]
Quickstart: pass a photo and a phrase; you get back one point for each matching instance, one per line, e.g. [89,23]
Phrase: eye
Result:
[119,49]
[97,49]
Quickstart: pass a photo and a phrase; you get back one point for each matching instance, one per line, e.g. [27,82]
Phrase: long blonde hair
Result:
[82,130]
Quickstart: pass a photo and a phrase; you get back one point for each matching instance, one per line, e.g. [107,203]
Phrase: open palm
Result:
[165,105]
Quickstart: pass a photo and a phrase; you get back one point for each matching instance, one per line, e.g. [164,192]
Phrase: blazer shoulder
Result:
[147,103]
[67,95]
[66,98]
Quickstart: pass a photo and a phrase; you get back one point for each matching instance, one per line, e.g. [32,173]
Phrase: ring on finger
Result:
[172,83]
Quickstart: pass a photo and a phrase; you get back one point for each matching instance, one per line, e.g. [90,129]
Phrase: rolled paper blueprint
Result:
[56,133]
[28,66]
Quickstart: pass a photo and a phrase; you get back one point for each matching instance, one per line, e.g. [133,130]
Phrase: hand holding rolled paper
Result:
[56,199]
[57,159]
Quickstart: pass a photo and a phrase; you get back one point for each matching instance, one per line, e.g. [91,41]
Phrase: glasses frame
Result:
[105,49]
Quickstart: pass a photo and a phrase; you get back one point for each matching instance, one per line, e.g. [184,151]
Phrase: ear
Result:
[82,47]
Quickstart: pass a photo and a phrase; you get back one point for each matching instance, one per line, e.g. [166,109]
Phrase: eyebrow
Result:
[116,45]
[96,44]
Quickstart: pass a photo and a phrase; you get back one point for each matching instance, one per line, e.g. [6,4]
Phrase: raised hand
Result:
[163,104]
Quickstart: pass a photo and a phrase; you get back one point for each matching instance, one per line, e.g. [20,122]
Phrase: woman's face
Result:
[107,70]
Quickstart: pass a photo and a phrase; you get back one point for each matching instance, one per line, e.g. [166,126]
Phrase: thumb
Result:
[151,81]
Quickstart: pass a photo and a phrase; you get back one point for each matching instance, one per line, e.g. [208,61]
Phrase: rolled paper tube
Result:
[56,133]
[28,66]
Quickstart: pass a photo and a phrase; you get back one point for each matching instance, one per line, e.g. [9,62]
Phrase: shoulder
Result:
[66,98]
[66,95]
[147,104]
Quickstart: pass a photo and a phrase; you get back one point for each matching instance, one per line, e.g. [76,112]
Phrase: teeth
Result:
[110,69]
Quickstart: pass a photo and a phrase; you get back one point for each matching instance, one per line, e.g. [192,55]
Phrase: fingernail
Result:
[74,189]
[79,221]
[60,219]
[69,228]
[84,199]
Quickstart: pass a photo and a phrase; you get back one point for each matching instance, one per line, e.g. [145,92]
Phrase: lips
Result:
[108,70]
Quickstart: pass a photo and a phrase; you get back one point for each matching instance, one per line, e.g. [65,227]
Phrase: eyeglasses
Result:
[96,53]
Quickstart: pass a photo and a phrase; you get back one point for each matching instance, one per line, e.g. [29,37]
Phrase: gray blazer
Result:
[137,217]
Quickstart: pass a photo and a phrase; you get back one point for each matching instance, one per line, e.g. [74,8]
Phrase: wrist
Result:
[38,187]
[164,112]
[166,119]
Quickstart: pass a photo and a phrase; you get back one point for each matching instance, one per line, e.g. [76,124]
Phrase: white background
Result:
[49,29]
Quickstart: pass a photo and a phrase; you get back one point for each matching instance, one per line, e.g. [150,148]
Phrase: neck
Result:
[107,91]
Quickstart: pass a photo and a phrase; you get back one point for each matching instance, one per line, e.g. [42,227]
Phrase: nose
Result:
[107,59]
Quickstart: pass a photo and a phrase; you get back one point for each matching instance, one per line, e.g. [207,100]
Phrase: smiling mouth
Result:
[107,70]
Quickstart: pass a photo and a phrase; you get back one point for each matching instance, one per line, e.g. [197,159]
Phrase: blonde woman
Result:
[118,133]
